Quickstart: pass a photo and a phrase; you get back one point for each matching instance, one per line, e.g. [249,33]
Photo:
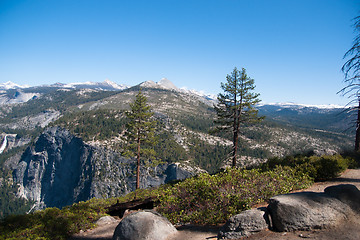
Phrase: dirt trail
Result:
[347,231]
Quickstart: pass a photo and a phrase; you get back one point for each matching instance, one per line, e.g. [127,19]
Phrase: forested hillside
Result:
[184,123]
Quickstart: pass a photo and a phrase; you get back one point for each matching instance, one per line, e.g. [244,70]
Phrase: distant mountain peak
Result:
[10,85]
[203,94]
[164,83]
[148,84]
[114,85]
[299,105]
[105,85]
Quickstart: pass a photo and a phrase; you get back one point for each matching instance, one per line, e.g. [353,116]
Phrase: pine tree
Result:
[351,69]
[140,132]
[236,106]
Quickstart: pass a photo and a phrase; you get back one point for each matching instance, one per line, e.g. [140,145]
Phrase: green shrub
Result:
[53,223]
[352,158]
[328,167]
[212,199]
[319,168]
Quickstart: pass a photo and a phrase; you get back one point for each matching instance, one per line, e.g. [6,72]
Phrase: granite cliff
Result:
[60,169]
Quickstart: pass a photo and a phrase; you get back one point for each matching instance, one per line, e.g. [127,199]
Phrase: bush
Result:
[212,199]
[320,168]
[328,167]
[53,223]
[353,159]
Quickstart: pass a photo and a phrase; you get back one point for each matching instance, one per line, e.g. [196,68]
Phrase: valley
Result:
[83,126]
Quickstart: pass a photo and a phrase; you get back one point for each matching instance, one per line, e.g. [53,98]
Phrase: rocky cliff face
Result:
[60,169]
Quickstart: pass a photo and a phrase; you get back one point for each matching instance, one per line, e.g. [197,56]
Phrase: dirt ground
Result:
[349,230]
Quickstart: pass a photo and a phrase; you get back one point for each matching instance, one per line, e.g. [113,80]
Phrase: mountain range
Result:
[48,130]
[164,83]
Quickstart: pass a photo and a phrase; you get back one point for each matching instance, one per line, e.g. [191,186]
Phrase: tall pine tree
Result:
[351,69]
[236,106]
[140,132]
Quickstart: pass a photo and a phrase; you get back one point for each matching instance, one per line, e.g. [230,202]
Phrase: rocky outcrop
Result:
[105,221]
[297,211]
[33,121]
[60,169]
[144,225]
[306,210]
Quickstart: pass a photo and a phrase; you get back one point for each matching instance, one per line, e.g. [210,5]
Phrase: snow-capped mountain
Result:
[12,93]
[10,85]
[106,85]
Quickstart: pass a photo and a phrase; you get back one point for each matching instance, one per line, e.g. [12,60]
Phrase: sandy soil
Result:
[349,230]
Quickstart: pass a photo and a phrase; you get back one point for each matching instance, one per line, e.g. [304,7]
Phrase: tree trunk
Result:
[138,165]
[235,126]
[357,134]
[235,143]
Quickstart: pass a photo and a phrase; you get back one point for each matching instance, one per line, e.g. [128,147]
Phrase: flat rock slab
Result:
[306,210]
[144,225]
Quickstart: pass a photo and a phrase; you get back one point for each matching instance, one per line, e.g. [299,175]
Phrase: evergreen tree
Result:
[236,106]
[140,132]
[351,69]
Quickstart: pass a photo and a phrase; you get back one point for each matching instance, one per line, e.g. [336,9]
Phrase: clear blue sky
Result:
[292,48]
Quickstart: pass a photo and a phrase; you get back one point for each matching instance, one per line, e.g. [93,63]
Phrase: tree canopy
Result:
[236,105]
[140,131]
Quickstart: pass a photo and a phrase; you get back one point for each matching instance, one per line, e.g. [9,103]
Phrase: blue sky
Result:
[292,48]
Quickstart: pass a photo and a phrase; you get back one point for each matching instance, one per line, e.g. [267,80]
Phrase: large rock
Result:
[347,193]
[245,224]
[105,220]
[177,171]
[144,225]
[306,210]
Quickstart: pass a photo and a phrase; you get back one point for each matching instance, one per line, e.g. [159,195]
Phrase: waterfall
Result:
[3,145]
